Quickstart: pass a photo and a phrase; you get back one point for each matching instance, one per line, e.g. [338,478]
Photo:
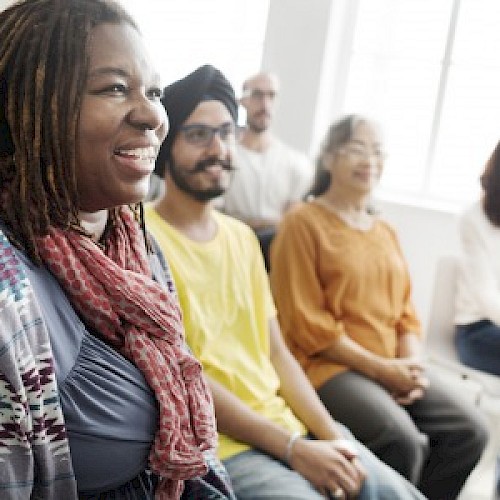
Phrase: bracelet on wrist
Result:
[289,447]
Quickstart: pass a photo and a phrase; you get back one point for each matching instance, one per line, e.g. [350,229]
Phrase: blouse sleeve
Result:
[297,288]
[408,321]
[478,273]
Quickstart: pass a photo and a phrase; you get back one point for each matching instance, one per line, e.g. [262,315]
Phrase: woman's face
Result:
[122,122]
[357,165]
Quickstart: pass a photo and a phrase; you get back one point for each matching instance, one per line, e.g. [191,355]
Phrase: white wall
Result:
[304,44]
[304,41]
[294,49]
[425,234]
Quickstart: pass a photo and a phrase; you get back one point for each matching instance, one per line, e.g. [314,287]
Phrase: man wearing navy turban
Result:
[264,403]
[181,97]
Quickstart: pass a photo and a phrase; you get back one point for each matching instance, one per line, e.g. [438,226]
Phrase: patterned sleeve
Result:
[34,452]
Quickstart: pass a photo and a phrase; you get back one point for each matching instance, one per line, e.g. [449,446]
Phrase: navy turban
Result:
[181,98]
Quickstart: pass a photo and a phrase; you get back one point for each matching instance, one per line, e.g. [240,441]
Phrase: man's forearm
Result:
[237,420]
[346,351]
[305,403]
[409,346]
[298,392]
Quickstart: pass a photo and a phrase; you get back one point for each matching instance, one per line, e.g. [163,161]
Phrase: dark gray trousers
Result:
[435,442]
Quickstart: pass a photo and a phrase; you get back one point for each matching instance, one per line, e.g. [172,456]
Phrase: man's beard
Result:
[255,125]
[180,178]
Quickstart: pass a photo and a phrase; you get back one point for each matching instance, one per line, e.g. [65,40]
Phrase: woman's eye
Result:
[116,88]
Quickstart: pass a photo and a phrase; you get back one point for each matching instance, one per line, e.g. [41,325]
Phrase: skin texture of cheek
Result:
[121,121]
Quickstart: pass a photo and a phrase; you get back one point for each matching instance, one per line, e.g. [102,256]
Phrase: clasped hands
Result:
[404,378]
[332,467]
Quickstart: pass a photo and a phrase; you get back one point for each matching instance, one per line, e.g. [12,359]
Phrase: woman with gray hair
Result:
[347,315]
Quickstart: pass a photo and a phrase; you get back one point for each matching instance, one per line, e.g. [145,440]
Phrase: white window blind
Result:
[184,34]
[430,72]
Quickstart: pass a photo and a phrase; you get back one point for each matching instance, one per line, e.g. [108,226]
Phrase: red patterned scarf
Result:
[115,294]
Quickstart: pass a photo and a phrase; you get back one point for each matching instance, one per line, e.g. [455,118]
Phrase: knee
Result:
[407,452]
[475,439]
[413,454]
[384,483]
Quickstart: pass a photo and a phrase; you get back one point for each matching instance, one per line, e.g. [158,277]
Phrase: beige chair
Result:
[480,387]
[440,344]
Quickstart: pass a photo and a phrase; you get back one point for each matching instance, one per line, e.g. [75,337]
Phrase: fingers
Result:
[423,382]
[414,364]
[346,447]
[356,462]
[358,472]
[419,380]
[348,476]
[410,397]
[337,494]
[417,363]
[403,400]
[330,465]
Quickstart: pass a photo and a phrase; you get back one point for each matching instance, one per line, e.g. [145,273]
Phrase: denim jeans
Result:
[257,476]
[478,346]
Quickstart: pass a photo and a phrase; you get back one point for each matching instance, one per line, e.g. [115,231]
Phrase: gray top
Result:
[111,413]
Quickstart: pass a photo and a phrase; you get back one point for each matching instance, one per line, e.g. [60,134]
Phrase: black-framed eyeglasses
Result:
[199,134]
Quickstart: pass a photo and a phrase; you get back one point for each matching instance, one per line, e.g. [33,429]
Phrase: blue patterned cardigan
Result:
[35,459]
[32,431]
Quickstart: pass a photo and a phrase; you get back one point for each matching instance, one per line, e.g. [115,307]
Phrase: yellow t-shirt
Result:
[226,304]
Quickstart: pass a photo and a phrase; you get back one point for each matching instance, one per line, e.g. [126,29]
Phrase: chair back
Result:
[441,327]
[440,340]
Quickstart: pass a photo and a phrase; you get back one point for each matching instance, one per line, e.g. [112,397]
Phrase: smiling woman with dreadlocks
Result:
[99,397]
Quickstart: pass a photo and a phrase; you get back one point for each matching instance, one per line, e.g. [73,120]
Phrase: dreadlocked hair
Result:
[43,70]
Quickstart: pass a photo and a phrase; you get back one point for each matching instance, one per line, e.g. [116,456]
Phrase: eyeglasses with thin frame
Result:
[259,95]
[358,152]
[201,135]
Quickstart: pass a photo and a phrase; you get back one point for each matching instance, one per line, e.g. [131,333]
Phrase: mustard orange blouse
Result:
[329,279]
